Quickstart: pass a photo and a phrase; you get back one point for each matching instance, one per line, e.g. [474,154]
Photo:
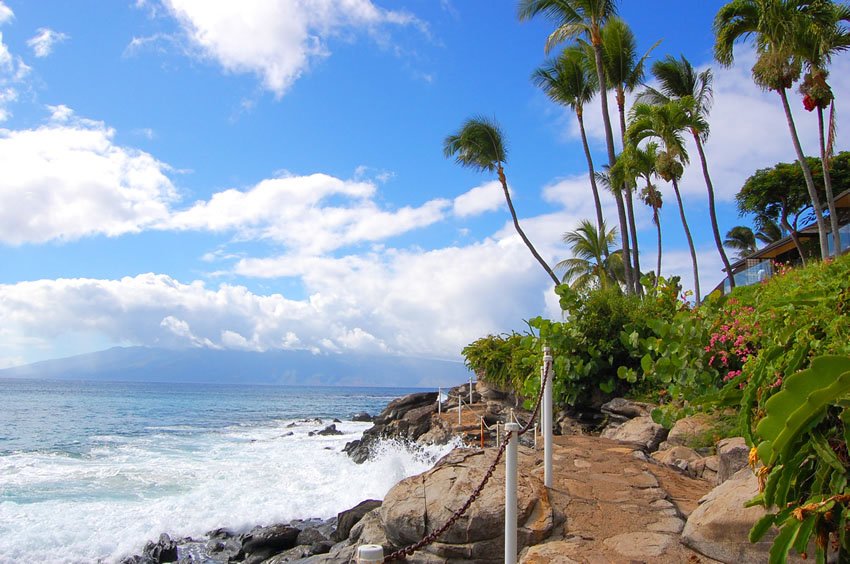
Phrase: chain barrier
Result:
[403,553]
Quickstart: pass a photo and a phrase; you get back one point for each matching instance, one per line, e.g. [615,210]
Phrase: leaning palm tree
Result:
[818,46]
[768,230]
[776,27]
[644,164]
[624,71]
[576,19]
[667,123]
[678,79]
[593,264]
[567,81]
[742,240]
[479,144]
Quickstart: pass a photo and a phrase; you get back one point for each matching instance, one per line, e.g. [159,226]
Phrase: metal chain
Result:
[403,553]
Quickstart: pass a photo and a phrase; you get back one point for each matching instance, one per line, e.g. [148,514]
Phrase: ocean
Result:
[90,471]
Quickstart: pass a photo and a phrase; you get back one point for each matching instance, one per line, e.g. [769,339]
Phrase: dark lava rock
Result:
[138,559]
[350,517]
[228,548]
[274,538]
[336,420]
[362,417]
[405,418]
[164,550]
[321,547]
[310,536]
[330,430]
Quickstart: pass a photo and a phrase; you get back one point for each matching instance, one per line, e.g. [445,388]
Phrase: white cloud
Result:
[69,179]
[484,198]
[277,40]
[6,13]
[13,71]
[44,40]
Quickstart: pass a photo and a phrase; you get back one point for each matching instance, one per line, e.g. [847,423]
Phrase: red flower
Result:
[809,103]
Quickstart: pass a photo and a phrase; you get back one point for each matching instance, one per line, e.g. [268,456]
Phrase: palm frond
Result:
[479,144]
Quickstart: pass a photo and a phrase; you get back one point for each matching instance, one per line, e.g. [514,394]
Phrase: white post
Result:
[439,401]
[546,373]
[535,436]
[370,553]
[459,407]
[498,434]
[470,389]
[510,493]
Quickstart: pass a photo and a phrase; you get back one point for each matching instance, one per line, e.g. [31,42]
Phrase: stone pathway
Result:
[618,506]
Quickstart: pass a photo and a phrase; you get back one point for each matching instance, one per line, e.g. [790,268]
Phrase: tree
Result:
[666,123]
[742,239]
[576,19]
[776,27]
[818,46]
[644,164]
[568,81]
[625,72]
[778,194]
[768,230]
[593,263]
[678,79]
[480,145]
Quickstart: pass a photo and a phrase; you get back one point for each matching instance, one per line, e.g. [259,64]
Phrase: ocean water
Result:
[89,471]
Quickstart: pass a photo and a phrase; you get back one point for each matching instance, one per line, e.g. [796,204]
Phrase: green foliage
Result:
[504,361]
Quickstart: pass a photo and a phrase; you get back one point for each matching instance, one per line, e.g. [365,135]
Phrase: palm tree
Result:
[776,27]
[741,239]
[644,164]
[625,72]
[584,19]
[818,46]
[678,79]
[768,230]
[666,123]
[593,263]
[567,81]
[480,145]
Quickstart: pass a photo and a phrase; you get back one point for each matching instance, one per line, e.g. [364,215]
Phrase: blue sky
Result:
[269,174]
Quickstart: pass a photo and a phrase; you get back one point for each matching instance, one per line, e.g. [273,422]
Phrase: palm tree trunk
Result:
[783,221]
[621,108]
[690,239]
[807,174]
[712,211]
[591,170]
[612,158]
[658,227]
[519,230]
[827,184]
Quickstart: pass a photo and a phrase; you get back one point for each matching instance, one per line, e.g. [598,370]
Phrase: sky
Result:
[269,174]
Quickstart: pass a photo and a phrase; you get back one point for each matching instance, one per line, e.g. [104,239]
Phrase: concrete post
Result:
[370,553]
[470,390]
[439,401]
[510,493]
[459,407]
[546,373]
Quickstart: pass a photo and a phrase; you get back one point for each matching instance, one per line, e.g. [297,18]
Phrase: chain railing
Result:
[403,553]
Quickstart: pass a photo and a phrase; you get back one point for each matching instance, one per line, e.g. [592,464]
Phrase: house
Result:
[759,265]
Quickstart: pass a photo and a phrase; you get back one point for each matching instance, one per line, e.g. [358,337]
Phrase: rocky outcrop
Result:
[733,454]
[346,520]
[362,417]
[688,429]
[621,409]
[641,430]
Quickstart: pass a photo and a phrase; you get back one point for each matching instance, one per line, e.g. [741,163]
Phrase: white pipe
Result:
[546,373]
[439,401]
[459,407]
[370,553]
[470,389]
[510,493]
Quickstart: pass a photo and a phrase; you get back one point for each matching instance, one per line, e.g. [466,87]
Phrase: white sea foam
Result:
[105,504]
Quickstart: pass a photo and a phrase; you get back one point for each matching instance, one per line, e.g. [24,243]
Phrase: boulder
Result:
[720,526]
[226,548]
[642,430]
[350,517]
[623,409]
[264,542]
[329,430]
[489,392]
[362,417]
[164,550]
[688,429]
[310,536]
[734,455]
[419,504]
[679,457]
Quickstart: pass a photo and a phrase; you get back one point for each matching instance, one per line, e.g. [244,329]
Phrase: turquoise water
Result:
[89,471]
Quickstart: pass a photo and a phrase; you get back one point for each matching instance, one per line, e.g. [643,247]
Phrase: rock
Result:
[350,517]
[362,417]
[553,552]
[321,547]
[720,526]
[369,531]
[293,554]
[164,550]
[138,559]
[733,454]
[705,468]
[679,457]
[264,542]
[226,548]
[623,409]
[642,430]
[329,430]
[419,504]
[689,429]
[310,536]
[489,392]
[639,545]
[439,434]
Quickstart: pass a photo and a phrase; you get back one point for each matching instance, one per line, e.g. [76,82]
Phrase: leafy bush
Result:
[502,360]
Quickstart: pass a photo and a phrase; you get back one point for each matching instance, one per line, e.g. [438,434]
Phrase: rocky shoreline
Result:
[687,522]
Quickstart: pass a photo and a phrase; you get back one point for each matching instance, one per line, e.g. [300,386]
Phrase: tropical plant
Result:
[593,264]
[678,79]
[775,27]
[666,123]
[479,144]
[568,81]
[741,239]
[625,72]
[768,231]
[577,19]
[818,47]
[644,164]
